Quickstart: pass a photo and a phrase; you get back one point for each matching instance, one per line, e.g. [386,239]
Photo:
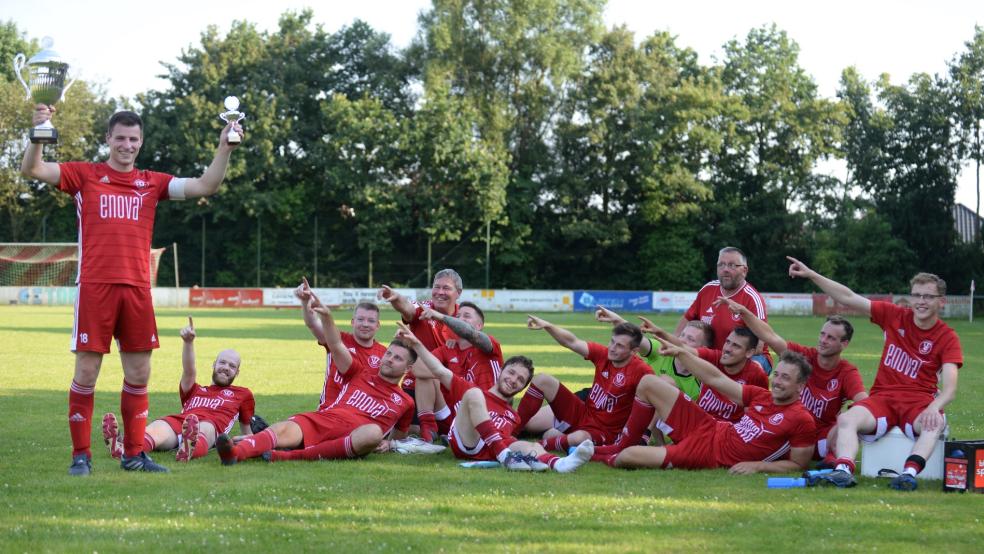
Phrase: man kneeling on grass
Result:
[775,434]
[353,424]
[484,419]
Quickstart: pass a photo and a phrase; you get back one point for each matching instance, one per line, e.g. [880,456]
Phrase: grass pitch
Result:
[417,503]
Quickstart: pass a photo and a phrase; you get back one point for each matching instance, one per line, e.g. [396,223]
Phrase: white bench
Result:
[891,450]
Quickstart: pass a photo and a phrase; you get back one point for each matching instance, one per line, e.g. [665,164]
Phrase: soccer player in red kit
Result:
[369,405]
[116,204]
[775,434]
[206,411]
[361,342]
[484,420]
[617,372]
[732,270]
[833,380]
[920,353]
[475,357]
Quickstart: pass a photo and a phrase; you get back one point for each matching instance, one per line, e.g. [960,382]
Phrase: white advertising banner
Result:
[520,300]
[671,301]
[284,298]
[788,304]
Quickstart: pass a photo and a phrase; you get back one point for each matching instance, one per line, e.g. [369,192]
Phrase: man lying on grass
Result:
[775,434]
[368,406]
[484,419]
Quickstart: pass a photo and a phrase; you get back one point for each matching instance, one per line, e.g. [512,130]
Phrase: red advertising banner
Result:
[225,298]
[825,305]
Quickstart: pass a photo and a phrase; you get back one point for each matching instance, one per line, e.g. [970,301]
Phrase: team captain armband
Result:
[176,188]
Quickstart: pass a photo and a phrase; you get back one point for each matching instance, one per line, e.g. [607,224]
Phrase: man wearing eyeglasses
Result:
[921,352]
[732,269]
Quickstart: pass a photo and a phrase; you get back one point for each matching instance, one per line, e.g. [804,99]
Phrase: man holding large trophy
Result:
[116,204]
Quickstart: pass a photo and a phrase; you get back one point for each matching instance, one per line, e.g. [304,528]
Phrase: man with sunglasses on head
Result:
[920,352]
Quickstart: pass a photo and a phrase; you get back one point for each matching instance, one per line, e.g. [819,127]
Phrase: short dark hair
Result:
[704,328]
[630,330]
[844,324]
[753,341]
[366,306]
[472,305]
[801,363]
[126,119]
[401,343]
[523,361]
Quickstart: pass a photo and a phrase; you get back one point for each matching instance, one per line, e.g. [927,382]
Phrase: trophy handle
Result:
[68,86]
[19,62]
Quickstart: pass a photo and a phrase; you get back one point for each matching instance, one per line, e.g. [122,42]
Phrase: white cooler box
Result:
[890,452]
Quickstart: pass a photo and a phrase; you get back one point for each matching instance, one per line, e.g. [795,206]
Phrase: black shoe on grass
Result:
[81,466]
[141,462]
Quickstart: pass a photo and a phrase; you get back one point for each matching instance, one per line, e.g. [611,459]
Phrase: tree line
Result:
[529,135]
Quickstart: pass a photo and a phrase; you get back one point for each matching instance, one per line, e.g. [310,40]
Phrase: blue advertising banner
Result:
[617,300]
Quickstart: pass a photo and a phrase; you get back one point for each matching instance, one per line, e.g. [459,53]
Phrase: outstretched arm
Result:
[333,338]
[209,182]
[663,336]
[33,165]
[563,337]
[427,365]
[189,372]
[398,301]
[605,315]
[837,291]
[799,459]
[462,328]
[704,371]
[762,330]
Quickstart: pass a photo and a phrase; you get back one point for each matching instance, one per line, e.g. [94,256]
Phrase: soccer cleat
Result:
[514,461]
[839,478]
[413,445]
[81,466]
[904,482]
[267,456]
[813,476]
[111,435]
[226,450]
[141,462]
[189,438]
[581,455]
[534,463]
[257,424]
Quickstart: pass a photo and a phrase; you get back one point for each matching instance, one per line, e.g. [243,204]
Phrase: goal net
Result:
[49,264]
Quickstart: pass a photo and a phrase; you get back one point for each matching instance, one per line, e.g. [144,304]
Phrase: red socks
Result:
[253,445]
[493,437]
[201,447]
[556,443]
[639,419]
[845,462]
[333,449]
[428,425]
[80,404]
[528,406]
[133,408]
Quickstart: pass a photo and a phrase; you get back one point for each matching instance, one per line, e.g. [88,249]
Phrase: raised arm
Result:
[604,315]
[189,373]
[333,338]
[398,301]
[307,297]
[563,337]
[462,328]
[761,329]
[431,367]
[837,291]
[209,182]
[33,166]
[662,335]
[704,371]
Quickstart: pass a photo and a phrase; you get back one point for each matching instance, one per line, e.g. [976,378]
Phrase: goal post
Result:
[49,264]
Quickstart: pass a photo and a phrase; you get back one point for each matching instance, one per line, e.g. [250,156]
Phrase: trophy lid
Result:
[46,55]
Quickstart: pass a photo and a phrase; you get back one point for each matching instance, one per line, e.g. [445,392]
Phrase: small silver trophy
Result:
[232,116]
[47,72]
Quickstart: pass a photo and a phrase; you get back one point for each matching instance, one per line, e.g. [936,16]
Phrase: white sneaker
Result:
[413,445]
[514,461]
[581,455]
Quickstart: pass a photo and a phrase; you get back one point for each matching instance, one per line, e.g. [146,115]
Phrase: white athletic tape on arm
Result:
[176,188]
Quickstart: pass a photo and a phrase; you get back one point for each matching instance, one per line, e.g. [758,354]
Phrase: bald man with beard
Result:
[206,412]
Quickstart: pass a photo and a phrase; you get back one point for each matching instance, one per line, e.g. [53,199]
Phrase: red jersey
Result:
[719,405]
[501,414]
[912,357]
[613,390]
[827,390]
[720,317]
[115,220]
[472,364]
[218,405]
[432,334]
[765,431]
[365,397]
[370,357]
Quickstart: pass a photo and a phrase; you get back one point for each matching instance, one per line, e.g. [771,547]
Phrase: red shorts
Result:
[698,432]
[571,414]
[175,421]
[104,311]
[480,451]
[318,427]
[894,410]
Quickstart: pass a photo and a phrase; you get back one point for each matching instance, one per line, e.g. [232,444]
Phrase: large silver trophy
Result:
[232,116]
[47,74]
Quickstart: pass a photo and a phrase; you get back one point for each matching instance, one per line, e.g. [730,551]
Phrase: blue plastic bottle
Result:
[785,482]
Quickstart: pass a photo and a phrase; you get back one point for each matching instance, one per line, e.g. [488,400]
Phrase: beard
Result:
[221,380]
